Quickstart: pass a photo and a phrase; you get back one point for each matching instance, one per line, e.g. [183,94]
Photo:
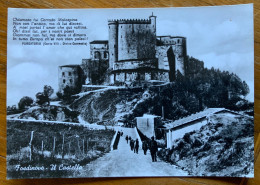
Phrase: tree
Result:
[25,102]
[41,98]
[44,97]
[48,91]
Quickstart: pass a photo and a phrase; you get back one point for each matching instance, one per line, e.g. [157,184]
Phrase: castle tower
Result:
[153,23]
[136,39]
[113,43]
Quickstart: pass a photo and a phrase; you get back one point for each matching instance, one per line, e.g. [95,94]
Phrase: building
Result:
[148,124]
[99,50]
[133,53]
[177,129]
[136,53]
[71,76]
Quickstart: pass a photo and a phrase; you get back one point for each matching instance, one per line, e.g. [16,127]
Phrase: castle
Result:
[133,53]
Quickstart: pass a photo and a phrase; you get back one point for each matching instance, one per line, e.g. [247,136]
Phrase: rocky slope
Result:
[108,105]
[223,146]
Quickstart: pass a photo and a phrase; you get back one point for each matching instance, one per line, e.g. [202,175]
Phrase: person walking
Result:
[145,146]
[132,144]
[153,149]
[136,146]
[126,138]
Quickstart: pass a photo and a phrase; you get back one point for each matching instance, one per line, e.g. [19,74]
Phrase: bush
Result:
[25,102]
[197,143]
[187,138]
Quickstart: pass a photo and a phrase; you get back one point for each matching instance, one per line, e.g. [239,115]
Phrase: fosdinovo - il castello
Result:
[133,52]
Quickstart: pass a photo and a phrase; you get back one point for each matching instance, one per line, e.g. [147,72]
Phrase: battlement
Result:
[129,21]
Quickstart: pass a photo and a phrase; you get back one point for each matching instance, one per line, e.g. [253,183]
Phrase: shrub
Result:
[25,102]
[197,143]
[187,138]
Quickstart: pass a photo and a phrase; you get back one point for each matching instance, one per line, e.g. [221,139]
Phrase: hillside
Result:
[224,145]
[107,105]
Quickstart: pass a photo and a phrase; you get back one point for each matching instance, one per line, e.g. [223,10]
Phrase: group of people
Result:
[134,144]
[146,145]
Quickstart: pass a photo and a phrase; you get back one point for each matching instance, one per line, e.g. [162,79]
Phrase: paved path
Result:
[124,162]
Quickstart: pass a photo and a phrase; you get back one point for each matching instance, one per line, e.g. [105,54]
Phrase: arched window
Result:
[64,81]
[97,55]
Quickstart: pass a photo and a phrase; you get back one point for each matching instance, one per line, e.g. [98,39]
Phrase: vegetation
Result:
[45,143]
[195,92]
[44,97]
[67,95]
[224,144]
[25,102]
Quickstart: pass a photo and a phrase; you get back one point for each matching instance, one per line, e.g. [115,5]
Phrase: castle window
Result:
[105,54]
[109,27]
[97,55]
[64,81]
[63,74]
[70,80]
[178,41]
[114,46]
[129,26]
[121,26]
[121,36]
[69,73]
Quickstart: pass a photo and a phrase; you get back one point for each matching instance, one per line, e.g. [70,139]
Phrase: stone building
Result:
[71,76]
[133,53]
[136,53]
[171,53]
[99,50]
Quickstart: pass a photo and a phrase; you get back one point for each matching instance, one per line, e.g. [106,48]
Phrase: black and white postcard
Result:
[130,92]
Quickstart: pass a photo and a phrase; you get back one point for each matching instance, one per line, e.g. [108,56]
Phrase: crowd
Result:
[146,145]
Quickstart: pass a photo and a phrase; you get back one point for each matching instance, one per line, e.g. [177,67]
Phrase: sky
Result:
[221,36]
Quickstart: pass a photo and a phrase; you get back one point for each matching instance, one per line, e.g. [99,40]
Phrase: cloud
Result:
[25,79]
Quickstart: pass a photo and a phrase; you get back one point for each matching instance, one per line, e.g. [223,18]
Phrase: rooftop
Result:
[149,116]
[194,117]
[99,42]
